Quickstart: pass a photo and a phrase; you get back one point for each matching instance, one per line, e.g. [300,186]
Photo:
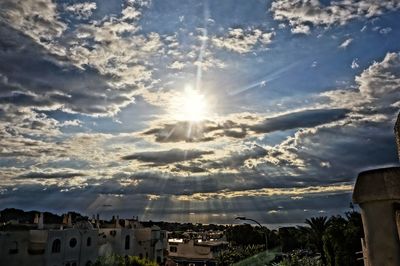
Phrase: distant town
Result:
[71,239]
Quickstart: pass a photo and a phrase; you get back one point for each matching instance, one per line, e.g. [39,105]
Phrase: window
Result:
[158,259]
[73,242]
[89,263]
[140,256]
[89,241]
[127,242]
[173,249]
[56,246]
[73,264]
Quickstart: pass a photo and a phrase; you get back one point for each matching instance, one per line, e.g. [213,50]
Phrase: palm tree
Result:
[318,225]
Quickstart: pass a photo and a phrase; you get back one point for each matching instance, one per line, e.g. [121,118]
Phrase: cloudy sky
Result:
[198,111]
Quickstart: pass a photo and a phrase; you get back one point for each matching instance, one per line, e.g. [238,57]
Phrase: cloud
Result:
[243,41]
[346,43]
[302,14]
[301,119]
[381,81]
[81,10]
[195,131]
[385,30]
[166,157]
[354,64]
[39,19]
[49,175]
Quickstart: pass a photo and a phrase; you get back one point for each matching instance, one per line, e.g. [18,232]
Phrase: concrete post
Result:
[378,194]
[397,134]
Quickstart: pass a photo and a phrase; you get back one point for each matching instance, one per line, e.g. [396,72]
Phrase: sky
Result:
[195,110]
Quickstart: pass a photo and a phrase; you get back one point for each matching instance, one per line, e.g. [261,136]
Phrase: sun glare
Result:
[190,105]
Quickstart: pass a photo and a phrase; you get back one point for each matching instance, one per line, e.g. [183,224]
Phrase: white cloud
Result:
[243,41]
[177,65]
[354,64]
[81,10]
[382,79]
[385,30]
[346,43]
[36,18]
[299,14]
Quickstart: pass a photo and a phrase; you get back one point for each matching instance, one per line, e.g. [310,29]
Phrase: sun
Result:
[190,105]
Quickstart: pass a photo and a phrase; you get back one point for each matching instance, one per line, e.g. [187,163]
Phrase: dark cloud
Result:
[196,131]
[302,119]
[53,175]
[166,157]
[31,76]
[208,130]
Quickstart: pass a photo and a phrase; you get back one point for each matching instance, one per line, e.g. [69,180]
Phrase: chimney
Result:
[36,220]
[117,225]
[40,223]
[69,220]
[65,219]
[97,221]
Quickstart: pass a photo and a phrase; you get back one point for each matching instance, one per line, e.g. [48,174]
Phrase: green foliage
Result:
[238,253]
[342,240]
[295,259]
[318,226]
[245,235]
[118,260]
[292,238]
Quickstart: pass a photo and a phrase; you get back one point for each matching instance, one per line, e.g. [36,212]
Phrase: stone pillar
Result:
[378,194]
[397,134]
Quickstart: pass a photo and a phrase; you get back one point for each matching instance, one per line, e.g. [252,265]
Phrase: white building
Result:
[53,247]
[78,244]
[195,252]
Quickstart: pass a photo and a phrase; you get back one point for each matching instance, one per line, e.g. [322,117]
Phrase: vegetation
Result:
[297,259]
[323,241]
[238,253]
[118,260]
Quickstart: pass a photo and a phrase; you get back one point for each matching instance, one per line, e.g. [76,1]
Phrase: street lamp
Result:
[265,232]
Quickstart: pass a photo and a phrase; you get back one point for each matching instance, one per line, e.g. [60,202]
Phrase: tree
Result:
[318,225]
[342,240]
[118,260]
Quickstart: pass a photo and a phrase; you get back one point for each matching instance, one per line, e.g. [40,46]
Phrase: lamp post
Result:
[265,232]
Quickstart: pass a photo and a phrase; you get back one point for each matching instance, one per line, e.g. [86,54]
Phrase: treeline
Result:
[332,241]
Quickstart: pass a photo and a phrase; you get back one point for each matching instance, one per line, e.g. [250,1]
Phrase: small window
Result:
[88,263]
[127,242]
[73,264]
[89,241]
[140,256]
[73,242]
[173,249]
[56,246]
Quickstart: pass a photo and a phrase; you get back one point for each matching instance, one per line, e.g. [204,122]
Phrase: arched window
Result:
[56,246]
[89,241]
[127,242]
[73,242]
